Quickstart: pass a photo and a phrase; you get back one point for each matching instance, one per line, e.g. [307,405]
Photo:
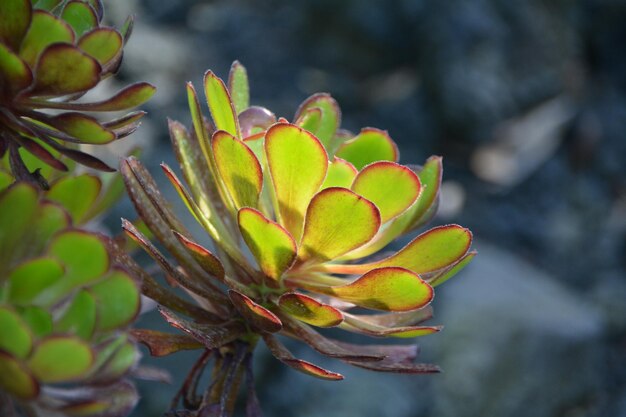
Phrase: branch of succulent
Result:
[52,52]
[291,210]
[65,306]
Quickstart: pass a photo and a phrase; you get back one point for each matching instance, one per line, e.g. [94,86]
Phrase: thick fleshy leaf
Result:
[220,105]
[103,44]
[357,325]
[239,168]
[281,353]
[430,177]
[258,316]
[85,128]
[442,276]
[15,16]
[310,120]
[369,146]
[38,319]
[239,87]
[80,16]
[212,336]
[341,173]
[131,96]
[60,359]
[81,157]
[163,344]
[80,317]
[398,318]
[271,245]
[44,30]
[324,345]
[41,152]
[64,69]
[392,187]
[388,289]
[18,206]
[15,336]
[76,194]
[121,122]
[209,262]
[387,365]
[298,163]
[337,221]
[432,250]
[119,363]
[15,75]
[309,310]
[16,379]
[30,278]
[330,117]
[255,120]
[117,299]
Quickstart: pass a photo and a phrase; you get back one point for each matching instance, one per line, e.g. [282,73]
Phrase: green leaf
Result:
[65,69]
[356,325]
[163,344]
[369,146]
[80,317]
[31,278]
[238,87]
[18,206]
[444,275]
[60,359]
[310,120]
[209,262]
[388,289]
[44,30]
[117,300]
[432,250]
[51,219]
[16,379]
[337,221]
[220,105]
[430,177]
[6,179]
[131,96]
[298,163]
[15,16]
[309,310]
[85,258]
[76,194]
[238,168]
[341,173]
[281,353]
[15,75]
[46,4]
[330,118]
[122,360]
[255,314]
[271,245]
[103,44]
[393,188]
[38,319]
[15,336]
[80,16]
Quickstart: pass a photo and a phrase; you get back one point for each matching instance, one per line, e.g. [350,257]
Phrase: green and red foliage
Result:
[293,212]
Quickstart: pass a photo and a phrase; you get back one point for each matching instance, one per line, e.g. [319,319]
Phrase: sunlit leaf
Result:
[341,173]
[393,188]
[442,276]
[220,105]
[238,87]
[270,244]
[369,146]
[358,325]
[309,310]
[337,221]
[388,289]
[298,165]
[330,116]
[203,256]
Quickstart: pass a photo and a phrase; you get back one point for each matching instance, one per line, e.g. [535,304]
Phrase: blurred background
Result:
[526,102]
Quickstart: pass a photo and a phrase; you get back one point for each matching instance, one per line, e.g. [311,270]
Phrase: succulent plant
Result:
[52,52]
[291,210]
[65,306]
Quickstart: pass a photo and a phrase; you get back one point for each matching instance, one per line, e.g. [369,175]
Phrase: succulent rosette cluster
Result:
[65,306]
[52,52]
[296,213]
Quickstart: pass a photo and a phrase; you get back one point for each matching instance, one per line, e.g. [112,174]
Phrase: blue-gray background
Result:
[526,102]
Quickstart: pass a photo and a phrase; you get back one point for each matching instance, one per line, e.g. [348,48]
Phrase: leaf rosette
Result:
[52,52]
[296,214]
[65,306]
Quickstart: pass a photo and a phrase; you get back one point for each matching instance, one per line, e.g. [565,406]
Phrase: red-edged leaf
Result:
[209,262]
[163,344]
[281,353]
[258,316]
[15,16]
[309,310]
[64,69]
[369,146]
